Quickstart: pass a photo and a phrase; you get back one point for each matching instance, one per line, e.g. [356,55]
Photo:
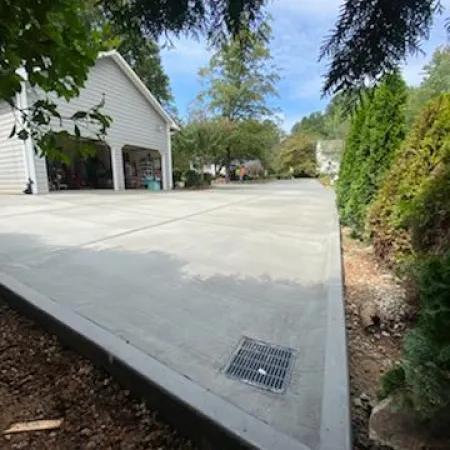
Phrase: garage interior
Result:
[142,168]
[75,171]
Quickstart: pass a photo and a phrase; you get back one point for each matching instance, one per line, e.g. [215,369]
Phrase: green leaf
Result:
[79,115]
[23,135]
[13,132]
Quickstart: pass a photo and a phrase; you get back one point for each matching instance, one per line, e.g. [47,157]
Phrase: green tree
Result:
[350,164]
[372,37]
[207,140]
[251,139]
[140,50]
[411,213]
[314,125]
[49,45]
[297,156]
[199,143]
[238,83]
[436,81]
[333,123]
[56,47]
[380,137]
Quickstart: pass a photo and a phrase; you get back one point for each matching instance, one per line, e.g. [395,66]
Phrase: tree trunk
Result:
[227,166]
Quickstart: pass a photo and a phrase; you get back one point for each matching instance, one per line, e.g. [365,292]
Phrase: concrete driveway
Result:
[182,277]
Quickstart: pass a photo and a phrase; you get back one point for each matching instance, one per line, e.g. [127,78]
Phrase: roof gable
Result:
[134,78]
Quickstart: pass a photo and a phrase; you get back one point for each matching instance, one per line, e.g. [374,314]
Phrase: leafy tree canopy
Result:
[238,85]
[333,123]
[141,51]
[56,46]
[208,141]
[297,156]
[436,81]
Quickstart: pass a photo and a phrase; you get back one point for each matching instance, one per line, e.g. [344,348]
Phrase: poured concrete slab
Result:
[182,277]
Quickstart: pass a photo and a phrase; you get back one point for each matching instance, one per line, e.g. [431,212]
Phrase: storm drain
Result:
[260,364]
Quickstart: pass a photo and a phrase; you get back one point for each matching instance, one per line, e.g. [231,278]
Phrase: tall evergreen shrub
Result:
[411,215]
[377,132]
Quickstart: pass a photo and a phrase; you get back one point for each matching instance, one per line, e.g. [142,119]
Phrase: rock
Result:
[364,397]
[385,333]
[85,432]
[357,402]
[398,429]
[368,314]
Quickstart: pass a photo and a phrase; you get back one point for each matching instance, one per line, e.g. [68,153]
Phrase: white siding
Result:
[135,121]
[13,174]
[41,175]
[40,164]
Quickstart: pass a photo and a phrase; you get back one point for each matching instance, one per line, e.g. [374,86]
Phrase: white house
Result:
[138,143]
[329,155]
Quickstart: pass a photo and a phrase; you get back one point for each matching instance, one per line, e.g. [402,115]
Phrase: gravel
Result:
[371,351]
[42,379]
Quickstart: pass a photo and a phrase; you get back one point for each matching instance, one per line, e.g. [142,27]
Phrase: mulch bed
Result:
[371,353]
[42,379]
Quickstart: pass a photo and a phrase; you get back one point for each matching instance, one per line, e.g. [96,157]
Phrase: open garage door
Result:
[142,168]
[78,172]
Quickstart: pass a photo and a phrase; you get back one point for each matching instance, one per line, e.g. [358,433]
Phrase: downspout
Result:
[22,103]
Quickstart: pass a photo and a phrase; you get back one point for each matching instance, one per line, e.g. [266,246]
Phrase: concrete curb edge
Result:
[335,430]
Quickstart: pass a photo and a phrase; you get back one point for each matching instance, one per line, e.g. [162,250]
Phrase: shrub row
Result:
[376,134]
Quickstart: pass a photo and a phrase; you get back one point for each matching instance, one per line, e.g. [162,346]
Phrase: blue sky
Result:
[299,27]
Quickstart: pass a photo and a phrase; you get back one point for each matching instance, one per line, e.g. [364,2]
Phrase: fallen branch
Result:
[35,425]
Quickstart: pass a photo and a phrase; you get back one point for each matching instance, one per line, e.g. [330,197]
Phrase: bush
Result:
[411,215]
[191,178]
[423,380]
[410,226]
[176,175]
[208,178]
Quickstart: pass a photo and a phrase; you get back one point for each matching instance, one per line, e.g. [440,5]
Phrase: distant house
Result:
[254,167]
[329,155]
[137,146]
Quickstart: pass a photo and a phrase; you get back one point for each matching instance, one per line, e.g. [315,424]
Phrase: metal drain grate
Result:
[263,365]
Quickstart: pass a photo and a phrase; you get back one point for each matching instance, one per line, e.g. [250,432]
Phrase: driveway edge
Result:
[211,421]
[335,429]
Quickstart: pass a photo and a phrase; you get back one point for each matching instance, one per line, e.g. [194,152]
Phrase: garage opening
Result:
[142,168]
[75,171]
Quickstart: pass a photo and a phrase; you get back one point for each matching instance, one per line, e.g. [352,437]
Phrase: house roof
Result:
[134,78]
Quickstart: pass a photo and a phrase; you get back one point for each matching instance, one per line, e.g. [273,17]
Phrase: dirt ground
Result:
[40,379]
[371,351]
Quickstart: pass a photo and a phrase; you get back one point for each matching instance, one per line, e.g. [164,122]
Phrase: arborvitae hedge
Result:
[349,166]
[410,221]
[411,215]
[377,132]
